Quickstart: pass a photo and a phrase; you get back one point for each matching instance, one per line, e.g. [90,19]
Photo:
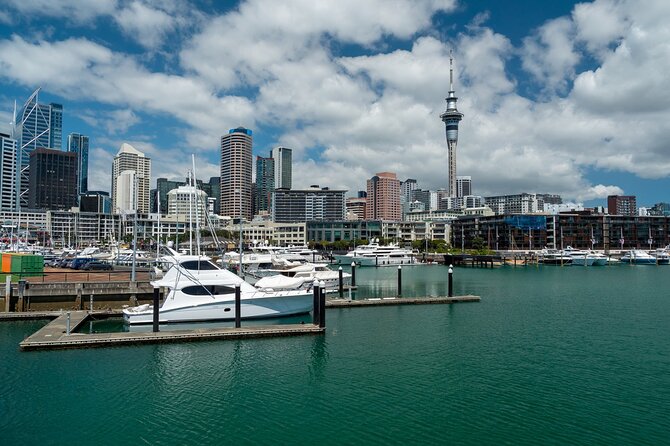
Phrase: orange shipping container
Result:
[6,262]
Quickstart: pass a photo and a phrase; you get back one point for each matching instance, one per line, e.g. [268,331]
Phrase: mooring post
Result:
[341,282]
[155,308]
[21,287]
[90,303]
[238,305]
[67,324]
[399,280]
[8,292]
[315,304]
[353,273]
[322,305]
[451,280]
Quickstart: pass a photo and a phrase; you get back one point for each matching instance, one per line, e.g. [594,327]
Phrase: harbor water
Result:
[551,355]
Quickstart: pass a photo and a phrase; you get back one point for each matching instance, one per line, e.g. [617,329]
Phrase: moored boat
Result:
[198,290]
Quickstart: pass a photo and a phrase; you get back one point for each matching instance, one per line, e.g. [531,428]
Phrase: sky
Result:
[558,97]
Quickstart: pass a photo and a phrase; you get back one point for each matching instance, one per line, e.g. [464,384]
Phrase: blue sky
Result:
[559,97]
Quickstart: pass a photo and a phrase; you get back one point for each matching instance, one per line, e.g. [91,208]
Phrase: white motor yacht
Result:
[554,257]
[638,257]
[198,290]
[303,276]
[585,258]
[374,254]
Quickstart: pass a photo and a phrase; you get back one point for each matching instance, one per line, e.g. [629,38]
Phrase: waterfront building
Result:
[303,205]
[236,173]
[53,179]
[356,207]
[451,117]
[128,160]
[78,144]
[383,191]
[579,230]
[34,126]
[265,183]
[463,186]
[283,167]
[7,172]
[399,231]
[188,202]
[622,205]
[273,233]
[550,208]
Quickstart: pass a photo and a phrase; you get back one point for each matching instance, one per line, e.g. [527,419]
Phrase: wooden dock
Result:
[54,335]
[377,302]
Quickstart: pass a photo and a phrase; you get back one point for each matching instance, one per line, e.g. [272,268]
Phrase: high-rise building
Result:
[130,160]
[622,205]
[236,167]
[53,180]
[189,202]
[213,191]
[95,201]
[314,203]
[283,173]
[78,144]
[463,186]
[35,126]
[451,117]
[265,184]
[7,172]
[383,197]
[357,206]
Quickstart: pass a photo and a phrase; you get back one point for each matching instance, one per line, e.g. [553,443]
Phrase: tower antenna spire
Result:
[451,71]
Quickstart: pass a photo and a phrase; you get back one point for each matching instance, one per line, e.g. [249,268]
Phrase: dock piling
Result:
[399,280]
[322,305]
[238,306]
[315,304]
[155,308]
[8,292]
[451,281]
[353,273]
[90,303]
[341,282]
[67,324]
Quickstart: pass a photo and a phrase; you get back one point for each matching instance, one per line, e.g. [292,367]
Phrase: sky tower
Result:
[451,117]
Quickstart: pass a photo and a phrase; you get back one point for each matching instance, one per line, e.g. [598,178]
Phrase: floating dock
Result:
[54,335]
[61,333]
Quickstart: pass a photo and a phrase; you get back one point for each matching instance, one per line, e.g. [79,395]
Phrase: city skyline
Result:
[560,98]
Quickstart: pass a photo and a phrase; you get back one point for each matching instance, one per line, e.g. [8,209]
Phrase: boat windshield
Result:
[207,290]
[198,265]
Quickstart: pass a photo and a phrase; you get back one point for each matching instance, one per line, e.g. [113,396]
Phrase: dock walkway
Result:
[54,335]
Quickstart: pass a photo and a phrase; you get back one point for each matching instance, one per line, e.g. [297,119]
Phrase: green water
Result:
[549,356]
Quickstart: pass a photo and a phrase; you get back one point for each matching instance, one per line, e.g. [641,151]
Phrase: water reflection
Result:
[318,357]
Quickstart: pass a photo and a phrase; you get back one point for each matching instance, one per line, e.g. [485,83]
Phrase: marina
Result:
[546,348]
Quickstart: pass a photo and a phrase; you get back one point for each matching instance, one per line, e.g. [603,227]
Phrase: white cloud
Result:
[114,122]
[146,24]
[76,10]
[549,55]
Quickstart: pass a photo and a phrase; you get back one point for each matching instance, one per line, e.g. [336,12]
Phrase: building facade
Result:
[463,186]
[7,172]
[236,173]
[307,205]
[188,202]
[356,207]
[622,205]
[129,159]
[283,167]
[35,126]
[78,144]
[383,197]
[516,204]
[265,184]
[53,180]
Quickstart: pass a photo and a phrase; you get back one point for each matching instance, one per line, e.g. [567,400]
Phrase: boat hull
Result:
[374,261]
[224,310]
